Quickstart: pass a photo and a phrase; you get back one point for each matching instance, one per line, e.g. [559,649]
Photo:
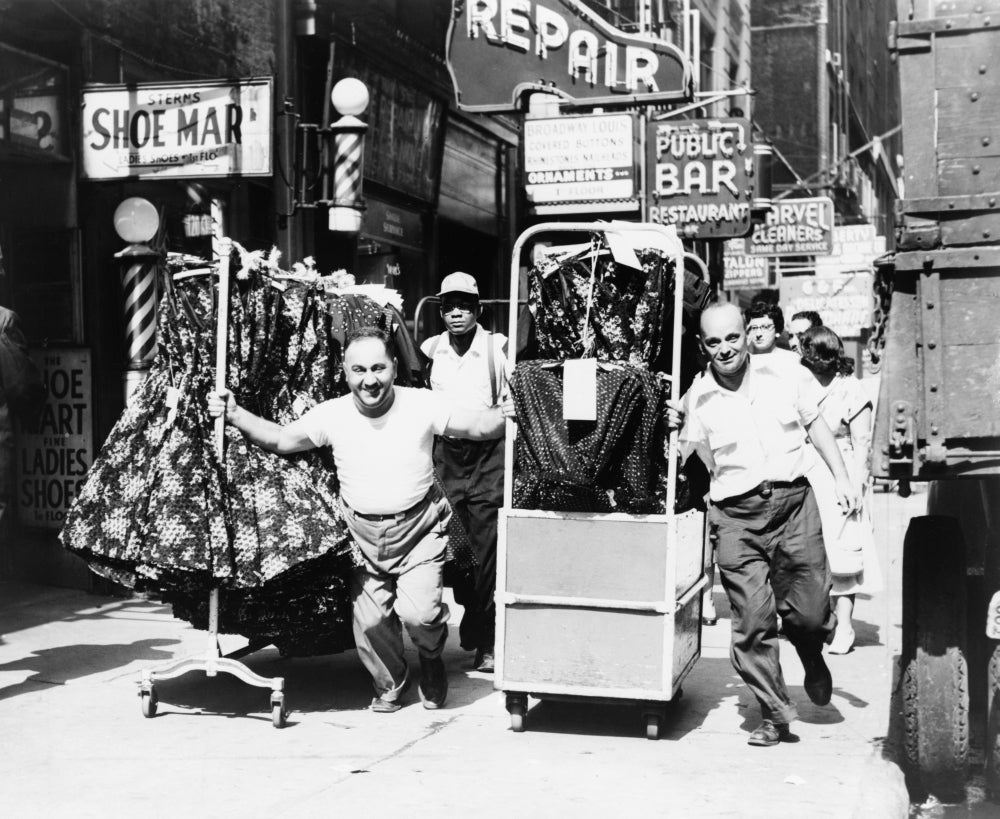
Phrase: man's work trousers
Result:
[771,557]
[472,475]
[400,582]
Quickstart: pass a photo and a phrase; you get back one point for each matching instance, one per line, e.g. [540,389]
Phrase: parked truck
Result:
[938,414]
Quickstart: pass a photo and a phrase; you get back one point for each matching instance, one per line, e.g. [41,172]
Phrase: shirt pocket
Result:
[792,434]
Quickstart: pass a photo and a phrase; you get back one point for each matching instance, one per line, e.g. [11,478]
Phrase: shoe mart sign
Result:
[500,49]
[170,130]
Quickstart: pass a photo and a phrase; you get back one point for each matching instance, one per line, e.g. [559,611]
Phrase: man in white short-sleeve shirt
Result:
[747,416]
[382,438]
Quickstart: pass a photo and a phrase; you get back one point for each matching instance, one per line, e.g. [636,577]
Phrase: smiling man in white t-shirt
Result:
[382,438]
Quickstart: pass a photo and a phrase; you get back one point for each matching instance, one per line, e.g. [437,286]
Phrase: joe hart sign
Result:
[500,49]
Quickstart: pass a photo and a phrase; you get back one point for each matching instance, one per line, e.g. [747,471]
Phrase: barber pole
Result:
[139,286]
[347,169]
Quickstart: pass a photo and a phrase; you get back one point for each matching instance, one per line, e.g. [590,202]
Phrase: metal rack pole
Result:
[211,662]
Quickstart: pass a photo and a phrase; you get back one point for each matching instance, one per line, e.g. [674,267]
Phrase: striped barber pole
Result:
[139,284]
[347,168]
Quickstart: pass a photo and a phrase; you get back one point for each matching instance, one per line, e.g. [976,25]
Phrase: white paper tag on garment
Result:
[622,251]
[173,397]
[580,389]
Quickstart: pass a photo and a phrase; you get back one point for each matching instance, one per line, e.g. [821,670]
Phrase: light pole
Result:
[136,222]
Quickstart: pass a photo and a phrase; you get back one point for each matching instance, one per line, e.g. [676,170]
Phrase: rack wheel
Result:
[278,716]
[652,726]
[517,707]
[149,701]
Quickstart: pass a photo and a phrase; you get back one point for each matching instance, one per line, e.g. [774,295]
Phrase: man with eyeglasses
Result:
[468,368]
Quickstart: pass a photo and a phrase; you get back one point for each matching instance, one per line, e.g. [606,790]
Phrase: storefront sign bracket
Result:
[705,98]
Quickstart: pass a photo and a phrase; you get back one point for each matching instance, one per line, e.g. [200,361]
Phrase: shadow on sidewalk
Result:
[57,666]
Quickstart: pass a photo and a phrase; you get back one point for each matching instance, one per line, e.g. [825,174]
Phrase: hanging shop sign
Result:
[559,47]
[795,227]
[585,163]
[855,248]
[843,301]
[392,225]
[700,176]
[53,459]
[33,107]
[741,271]
[169,130]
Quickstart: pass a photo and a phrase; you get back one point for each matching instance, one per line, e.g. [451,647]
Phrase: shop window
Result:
[42,267]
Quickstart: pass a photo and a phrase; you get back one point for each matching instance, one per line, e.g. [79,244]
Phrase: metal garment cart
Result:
[594,606]
[211,662]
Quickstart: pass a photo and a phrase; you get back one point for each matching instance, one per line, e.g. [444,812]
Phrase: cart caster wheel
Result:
[149,701]
[652,726]
[278,715]
[517,707]
[517,718]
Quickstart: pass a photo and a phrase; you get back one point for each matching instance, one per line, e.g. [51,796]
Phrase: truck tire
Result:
[934,663]
[991,746]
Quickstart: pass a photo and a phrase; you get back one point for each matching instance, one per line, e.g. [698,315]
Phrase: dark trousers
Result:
[771,557]
[472,475]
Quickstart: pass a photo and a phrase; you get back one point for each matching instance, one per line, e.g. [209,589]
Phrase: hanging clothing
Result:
[159,512]
[611,464]
[629,309]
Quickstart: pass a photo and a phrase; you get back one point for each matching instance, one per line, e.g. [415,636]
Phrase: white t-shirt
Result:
[384,464]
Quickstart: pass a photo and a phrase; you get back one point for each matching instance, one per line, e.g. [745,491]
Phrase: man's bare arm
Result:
[273,437]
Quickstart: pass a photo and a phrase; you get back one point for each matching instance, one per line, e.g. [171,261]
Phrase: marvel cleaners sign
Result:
[161,130]
[700,176]
[795,227]
[499,49]
[53,459]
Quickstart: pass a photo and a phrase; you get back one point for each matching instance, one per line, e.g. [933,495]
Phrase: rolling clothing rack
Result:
[211,661]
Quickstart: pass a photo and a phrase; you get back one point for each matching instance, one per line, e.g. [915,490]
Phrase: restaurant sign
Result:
[795,227]
[569,161]
[559,47]
[700,174]
[172,130]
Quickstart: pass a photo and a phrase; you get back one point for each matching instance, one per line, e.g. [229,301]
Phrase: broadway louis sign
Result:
[500,49]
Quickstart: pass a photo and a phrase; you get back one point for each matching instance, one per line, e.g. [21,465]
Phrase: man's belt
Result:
[376,518]
[766,488]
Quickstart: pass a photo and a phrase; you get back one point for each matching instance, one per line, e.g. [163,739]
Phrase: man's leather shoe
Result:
[381,706]
[770,733]
[433,686]
[484,661]
[818,682]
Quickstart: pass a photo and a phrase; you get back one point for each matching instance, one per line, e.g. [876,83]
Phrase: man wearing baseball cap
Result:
[468,368]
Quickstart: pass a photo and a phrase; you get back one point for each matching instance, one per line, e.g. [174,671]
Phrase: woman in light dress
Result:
[850,540]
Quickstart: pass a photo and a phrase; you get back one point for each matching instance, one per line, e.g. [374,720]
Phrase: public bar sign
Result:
[741,271]
[170,130]
[53,459]
[700,176]
[795,227]
[499,49]
[586,159]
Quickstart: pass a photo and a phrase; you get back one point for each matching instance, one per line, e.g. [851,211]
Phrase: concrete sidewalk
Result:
[73,742]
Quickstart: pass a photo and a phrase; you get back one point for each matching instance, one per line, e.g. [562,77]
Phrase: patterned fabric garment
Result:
[629,311]
[159,513]
[612,464]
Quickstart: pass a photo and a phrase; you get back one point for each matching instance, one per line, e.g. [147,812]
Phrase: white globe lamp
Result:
[136,222]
